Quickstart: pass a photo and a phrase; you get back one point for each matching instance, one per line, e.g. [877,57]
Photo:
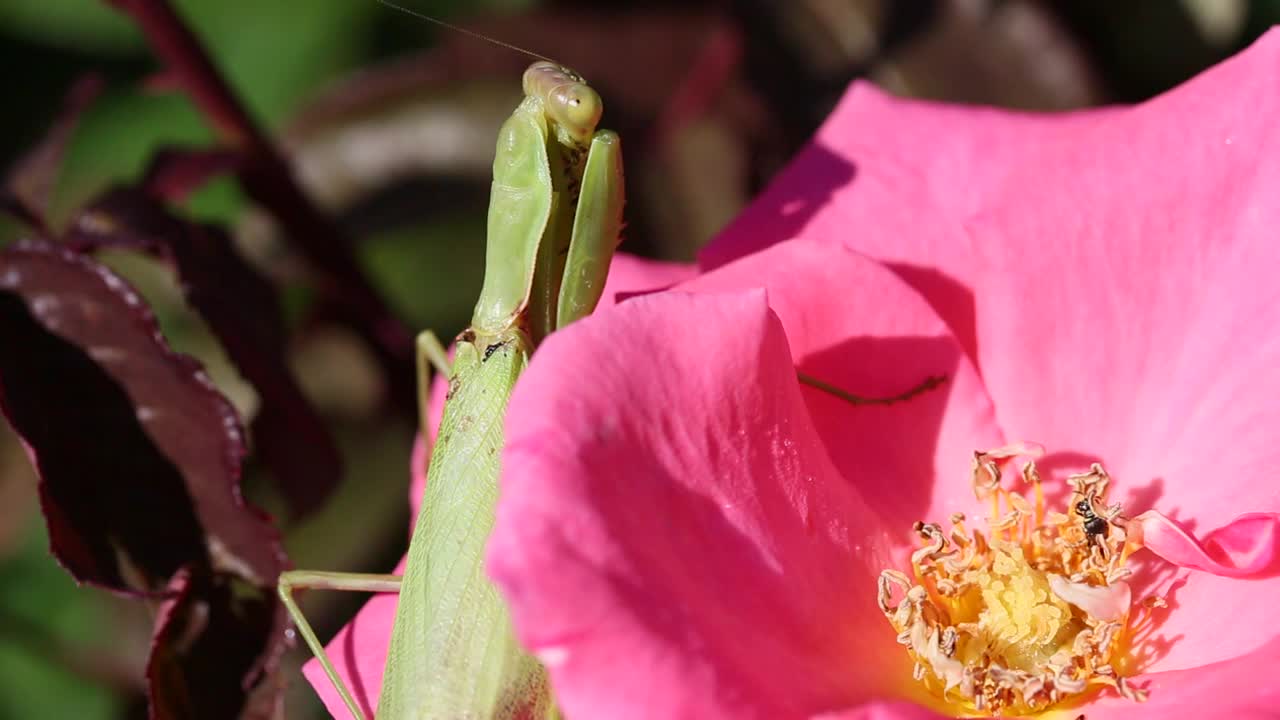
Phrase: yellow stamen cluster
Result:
[1026,616]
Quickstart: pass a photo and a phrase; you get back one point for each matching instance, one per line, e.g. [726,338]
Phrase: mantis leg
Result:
[431,354]
[432,351]
[311,580]
[926,385]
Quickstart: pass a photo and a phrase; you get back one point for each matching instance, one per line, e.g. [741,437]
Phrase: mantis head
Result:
[569,102]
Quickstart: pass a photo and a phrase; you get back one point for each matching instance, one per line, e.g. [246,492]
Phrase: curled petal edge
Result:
[1248,546]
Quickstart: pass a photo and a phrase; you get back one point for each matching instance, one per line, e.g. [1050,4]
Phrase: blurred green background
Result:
[401,155]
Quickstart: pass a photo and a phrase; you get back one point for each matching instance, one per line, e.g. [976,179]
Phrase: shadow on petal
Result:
[887,451]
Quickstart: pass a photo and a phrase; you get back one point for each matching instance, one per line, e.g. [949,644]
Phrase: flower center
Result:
[1028,615]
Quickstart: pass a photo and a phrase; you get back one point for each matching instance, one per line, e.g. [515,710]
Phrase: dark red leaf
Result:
[214,644]
[243,310]
[139,461]
[138,454]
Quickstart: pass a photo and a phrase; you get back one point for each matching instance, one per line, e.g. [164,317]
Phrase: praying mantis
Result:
[555,217]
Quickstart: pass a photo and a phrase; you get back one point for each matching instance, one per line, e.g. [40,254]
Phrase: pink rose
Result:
[687,532]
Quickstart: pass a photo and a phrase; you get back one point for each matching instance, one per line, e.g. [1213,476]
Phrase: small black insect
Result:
[1093,525]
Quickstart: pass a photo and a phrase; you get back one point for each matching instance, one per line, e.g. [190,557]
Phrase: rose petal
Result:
[1245,547]
[673,541]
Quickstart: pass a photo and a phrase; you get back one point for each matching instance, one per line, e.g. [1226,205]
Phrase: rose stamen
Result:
[1031,613]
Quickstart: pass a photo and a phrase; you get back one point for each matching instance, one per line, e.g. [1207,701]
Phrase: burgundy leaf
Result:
[138,454]
[213,649]
[243,310]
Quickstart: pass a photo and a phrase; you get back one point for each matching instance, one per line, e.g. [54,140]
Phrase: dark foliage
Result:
[139,459]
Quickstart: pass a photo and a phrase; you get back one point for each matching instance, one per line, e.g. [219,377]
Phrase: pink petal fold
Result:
[672,537]
[1245,547]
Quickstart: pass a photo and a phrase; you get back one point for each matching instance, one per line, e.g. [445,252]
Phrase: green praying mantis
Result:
[555,217]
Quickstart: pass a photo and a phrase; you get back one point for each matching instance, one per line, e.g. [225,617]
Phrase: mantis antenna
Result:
[464,31]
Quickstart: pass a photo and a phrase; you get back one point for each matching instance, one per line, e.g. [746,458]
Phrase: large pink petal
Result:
[672,538]
[853,323]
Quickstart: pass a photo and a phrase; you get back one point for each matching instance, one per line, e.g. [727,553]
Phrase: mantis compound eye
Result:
[576,106]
